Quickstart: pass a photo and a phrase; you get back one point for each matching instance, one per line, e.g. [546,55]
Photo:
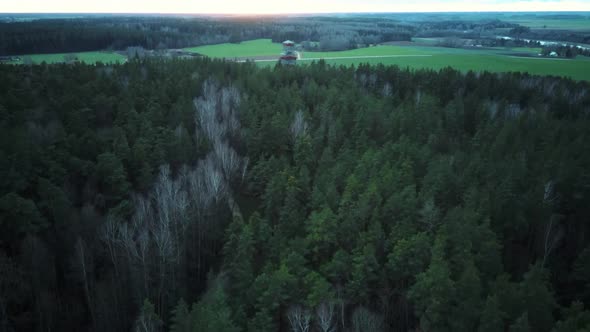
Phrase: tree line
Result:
[58,35]
[207,195]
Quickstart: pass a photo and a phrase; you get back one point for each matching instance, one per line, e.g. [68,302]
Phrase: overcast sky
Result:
[284,6]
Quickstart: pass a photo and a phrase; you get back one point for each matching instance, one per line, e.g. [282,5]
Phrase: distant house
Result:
[4,59]
[553,54]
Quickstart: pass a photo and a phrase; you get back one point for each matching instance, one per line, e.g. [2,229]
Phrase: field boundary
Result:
[344,57]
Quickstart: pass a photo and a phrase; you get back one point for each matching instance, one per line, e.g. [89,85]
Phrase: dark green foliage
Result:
[492,317]
[211,313]
[455,203]
[148,320]
[111,174]
[18,217]
[434,292]
[521,324]
[181,318]
[575,319]
[538,298]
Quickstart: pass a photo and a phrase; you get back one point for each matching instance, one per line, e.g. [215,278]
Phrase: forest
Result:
[79,34]
[207,195]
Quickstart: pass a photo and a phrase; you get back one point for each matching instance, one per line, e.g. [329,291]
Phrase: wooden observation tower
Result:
[289,55]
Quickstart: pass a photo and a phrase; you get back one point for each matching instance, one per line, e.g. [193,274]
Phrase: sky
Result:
[285,6]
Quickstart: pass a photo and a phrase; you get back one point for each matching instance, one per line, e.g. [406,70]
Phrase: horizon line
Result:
[296,13]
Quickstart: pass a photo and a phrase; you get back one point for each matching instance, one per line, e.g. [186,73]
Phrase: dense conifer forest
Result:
[117,32]
[203,195]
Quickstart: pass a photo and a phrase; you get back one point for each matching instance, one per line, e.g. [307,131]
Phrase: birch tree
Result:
[325,316]
[298,126]
[82,258]
[300,318]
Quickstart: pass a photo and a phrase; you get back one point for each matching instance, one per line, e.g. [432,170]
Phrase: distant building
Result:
[289,55]
[553,54]
[6,59]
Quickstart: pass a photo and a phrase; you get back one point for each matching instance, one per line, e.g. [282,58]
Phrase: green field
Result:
[428,41]
[555,24]
[578,69]
[533,50]
[258,47]
[495,60]
[86,57]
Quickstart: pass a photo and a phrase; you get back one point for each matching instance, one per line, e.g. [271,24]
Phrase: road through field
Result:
[344,57]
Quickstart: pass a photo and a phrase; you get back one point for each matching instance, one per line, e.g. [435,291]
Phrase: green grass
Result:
[578,69]
[258,47]
[429,41]
[559,24]
[86,57]
[380,50]
[462,59]
[534,50]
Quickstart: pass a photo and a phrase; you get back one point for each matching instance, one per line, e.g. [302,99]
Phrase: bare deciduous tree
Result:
[82,258]
[216,111]
[166,222]
[553,234]
[364,320]
[298,126]
[418,97]
[108,235]
[213,181]
[245,163]
[148,320]
[300,318]
[325,316]
[227,159]
[387,90]
[429,214]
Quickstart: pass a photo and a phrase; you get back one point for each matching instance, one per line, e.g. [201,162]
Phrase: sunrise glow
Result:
[285,7]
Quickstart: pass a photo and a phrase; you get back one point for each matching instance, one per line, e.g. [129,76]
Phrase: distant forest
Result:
[333,33]
[203,195]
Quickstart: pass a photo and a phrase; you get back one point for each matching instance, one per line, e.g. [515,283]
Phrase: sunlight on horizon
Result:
[285,7]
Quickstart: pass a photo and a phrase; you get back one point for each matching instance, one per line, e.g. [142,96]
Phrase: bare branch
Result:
[298,126]
[227,159]
[364,320]
[325,314]
[300,318]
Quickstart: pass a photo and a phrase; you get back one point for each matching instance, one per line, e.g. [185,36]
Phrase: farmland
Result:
[86,57]
[496,60]
[581,24]
[252,48]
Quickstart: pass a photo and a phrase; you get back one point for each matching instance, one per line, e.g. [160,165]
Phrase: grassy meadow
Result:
[496,60]
[86,57]
[578,69]
[554,24]
[252,48]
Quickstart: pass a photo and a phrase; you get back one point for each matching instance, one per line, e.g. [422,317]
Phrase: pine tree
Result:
[213,313]
[492,317]
[148,320]
[521,324]
[468,300]
[575,318]
[538,298]
[181,319]
[112,175]
[434,291]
